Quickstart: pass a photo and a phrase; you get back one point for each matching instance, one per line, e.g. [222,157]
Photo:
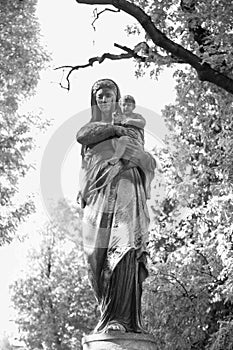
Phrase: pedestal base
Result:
[119,341]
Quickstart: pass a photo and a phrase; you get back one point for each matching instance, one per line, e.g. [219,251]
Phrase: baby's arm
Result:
[135,119]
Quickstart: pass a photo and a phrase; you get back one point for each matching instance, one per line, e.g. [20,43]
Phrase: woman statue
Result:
[115,218]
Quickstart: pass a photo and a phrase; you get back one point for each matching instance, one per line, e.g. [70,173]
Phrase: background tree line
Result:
[22,58]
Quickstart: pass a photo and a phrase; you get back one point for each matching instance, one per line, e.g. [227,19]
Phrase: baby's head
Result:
[127,104]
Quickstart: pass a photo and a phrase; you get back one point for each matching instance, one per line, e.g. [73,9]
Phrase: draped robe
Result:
[115,226]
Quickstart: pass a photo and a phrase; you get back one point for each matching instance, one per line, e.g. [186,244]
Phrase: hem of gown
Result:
[124,307]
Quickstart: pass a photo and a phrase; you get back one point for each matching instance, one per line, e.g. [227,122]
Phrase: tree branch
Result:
[203,69]
[185,291]
[201,35]
[90,63]
[150,53]
[131,53]
[97,14]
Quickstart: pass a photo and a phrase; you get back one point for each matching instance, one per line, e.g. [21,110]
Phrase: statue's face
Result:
[127,107]
[106,99]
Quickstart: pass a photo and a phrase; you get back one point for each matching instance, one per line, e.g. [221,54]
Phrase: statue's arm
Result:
[136,154]
[136,120]
[95,132]
[140,157]
[147,162]
[143,160]
[121,131]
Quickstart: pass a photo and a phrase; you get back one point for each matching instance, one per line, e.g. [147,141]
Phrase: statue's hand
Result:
[120,130]
[140,157]
[133,153]
[80,200]
[117,118]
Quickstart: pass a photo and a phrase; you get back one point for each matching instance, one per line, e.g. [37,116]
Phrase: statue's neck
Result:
[107,117]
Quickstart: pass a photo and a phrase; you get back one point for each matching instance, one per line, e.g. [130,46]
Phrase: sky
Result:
[70,38]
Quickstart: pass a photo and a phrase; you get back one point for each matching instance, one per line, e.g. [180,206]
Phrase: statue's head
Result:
[105,95]
[128,104]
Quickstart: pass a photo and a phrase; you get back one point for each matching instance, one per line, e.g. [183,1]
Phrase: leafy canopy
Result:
[22,58]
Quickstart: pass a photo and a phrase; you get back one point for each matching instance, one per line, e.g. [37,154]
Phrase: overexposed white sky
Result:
[70,38]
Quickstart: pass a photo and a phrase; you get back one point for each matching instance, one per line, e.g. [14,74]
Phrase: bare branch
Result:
[90,63]
[97,15]
[204,71]
[131,53]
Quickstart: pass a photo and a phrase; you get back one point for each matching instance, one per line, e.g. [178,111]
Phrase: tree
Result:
[189,293]
[197,33]
[22,57]
[54,301]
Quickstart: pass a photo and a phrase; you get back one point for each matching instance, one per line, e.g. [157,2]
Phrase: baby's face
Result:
[127,107]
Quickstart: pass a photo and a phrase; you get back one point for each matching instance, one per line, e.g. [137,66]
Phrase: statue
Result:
[115,215]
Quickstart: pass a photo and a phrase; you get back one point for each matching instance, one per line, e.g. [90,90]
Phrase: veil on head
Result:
[101,84]
[95,111]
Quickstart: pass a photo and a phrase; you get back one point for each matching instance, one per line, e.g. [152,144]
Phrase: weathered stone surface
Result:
[119,341]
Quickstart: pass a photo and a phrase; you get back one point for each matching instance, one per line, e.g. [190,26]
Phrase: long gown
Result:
[115,228]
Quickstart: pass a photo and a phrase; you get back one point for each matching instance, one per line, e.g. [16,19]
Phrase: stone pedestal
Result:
[119,341]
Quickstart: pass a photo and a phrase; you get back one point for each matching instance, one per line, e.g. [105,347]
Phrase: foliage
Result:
[202,27]
[5,343]
[189,294]
[22,58]
[54,302]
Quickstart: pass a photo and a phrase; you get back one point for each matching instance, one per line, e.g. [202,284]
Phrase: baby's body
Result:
[134,123]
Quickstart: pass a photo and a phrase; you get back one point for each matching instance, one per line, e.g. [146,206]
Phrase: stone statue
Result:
[115,215]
